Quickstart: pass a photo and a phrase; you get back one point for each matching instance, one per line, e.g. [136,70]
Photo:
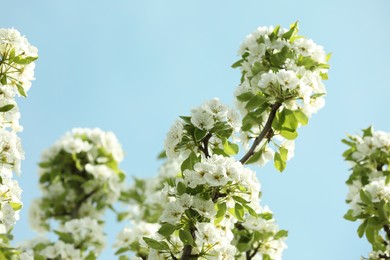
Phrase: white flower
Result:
[288,79]
[135,233]
[173,138]
[202,119]
[172,213]
[215,108]
[234,119]
[206,233]
[267,80]
[204,207]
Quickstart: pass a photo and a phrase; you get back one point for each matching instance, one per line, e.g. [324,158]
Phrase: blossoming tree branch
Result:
[205,201]
[369,188]
[17,58]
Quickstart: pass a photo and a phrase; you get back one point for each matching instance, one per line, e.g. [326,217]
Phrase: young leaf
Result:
[186,237]
[6,108]
[221,210]
[21,90]
[239,212]
[230,148]
[199,134]
[189,163]
[244,97]
[154,244]
[237,64]
[279,163]
[167,229]
[281,233]
[181,188]
[24,61]
[255,102]
[362,229]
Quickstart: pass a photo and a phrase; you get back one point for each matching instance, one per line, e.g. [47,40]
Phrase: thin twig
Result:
[263,133]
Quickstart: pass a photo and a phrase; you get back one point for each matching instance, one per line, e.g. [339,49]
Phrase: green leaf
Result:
[167,229]
[362,229]
[279,58]
[157,245]
[292,32]
[181,188]
[250,210]
[21,90]
[255,157]
[24,61]
[12,54]
[349,215]
[244,97]
[239,212]
[278,121]
[121,216]
[324,76]
[237,64]
[255,102]
[186,237]
[266,257]
[281,233]
[91,256]
[301,117]
[240,200]
[289,135]
[371,233]
[188,164]
[16,206]
[368,131]
[290,121]
[230,148]
[274,35]
[66,237]
[279,163]
[258,67]
[221,210]
[283,153]
[365,197]
[2,256]
[328,56]
[122,250]
[6,108]
[186,119]
[3,80]
[162,155]
[199,134]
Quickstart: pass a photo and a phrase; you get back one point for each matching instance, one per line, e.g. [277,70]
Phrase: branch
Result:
[205,143]
[76,209]
[387,230]
[188,248]
[263,133]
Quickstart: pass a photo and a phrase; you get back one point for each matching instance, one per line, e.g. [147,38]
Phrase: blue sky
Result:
[133,66]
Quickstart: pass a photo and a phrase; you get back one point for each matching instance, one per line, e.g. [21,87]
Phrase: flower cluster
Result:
[369,188]
[208,128]
[282,75]
[17,66]
[16,73]
[211,209]
[78,239]
[80,178]
[146,200]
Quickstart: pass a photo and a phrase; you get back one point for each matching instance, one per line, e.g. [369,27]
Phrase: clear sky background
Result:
[132,67]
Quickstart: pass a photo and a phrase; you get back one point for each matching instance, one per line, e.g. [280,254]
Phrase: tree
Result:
[369,189]
[205,203]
